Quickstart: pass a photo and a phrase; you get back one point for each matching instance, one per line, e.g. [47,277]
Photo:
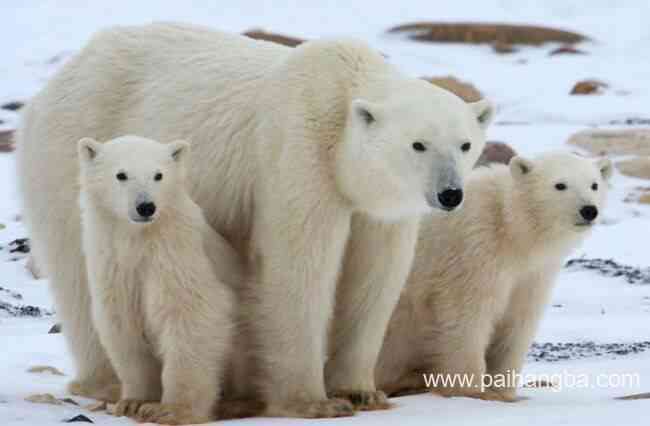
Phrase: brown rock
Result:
[567,49]
[496,152]
[503,48]
[637,167]
[588,87]
[475,33]
[462,89]
[6,140]
[613,142]
[285,40]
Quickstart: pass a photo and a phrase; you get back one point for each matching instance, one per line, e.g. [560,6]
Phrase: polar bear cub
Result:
[482,276]
[157,275]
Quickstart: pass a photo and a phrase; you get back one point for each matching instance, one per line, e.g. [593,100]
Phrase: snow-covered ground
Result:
[530,89]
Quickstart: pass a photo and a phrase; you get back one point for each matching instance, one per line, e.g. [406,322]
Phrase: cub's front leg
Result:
[376,265]
[513,336]
[122,335]
[195,329]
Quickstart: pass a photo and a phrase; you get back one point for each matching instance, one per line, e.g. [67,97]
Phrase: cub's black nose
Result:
[589,213]
[450,198]
[146,209]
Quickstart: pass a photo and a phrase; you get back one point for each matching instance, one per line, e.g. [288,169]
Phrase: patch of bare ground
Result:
[478,33]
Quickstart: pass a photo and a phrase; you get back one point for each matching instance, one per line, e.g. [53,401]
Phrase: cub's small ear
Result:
[179,149]
[484,111]
[88,149]
[365,111]
[519,167]
[605,166]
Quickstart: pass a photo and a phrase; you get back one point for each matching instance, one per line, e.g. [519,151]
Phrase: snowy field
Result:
[598,325]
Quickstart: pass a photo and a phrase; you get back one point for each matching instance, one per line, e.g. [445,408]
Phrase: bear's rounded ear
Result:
[365,111]
[88,149]
[605,166]
[519,166]
[178,149]
[484,112]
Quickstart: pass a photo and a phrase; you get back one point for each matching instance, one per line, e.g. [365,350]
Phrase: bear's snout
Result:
[450,198]
[146,209]
[589,213]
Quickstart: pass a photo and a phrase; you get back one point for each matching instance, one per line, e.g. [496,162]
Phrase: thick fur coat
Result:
[296,155]
[482,277]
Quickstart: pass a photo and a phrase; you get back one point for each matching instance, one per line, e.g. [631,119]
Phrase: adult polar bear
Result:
[297,154]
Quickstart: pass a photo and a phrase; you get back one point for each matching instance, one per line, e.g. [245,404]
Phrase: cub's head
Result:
[409,152]
[561,192]
[132,178]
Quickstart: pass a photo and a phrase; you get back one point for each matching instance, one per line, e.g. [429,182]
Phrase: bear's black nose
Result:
[146,209]
[589,213]
[450,198]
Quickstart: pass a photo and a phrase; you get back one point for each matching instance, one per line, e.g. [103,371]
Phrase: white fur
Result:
[481,277]
[285,165]
[159,302]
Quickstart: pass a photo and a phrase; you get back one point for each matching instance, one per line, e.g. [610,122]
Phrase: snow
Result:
[535,114]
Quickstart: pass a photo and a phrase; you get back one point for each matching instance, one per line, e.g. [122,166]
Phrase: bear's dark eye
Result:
[594,186]
[466,147]
[419,146]
[121,176]
[560,186]
[158,177]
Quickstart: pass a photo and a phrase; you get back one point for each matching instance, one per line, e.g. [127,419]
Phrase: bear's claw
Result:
[365,400]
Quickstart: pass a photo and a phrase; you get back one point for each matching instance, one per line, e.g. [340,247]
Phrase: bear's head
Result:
[132,178]
[409,151]
[560,194]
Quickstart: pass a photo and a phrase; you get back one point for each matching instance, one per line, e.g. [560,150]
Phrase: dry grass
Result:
[476,33]
[285,40]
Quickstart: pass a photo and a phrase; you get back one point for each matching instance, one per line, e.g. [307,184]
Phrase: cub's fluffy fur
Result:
[482,276]
[156,273]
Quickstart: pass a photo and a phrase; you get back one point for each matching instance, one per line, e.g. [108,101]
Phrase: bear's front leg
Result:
[376,265]
[299,249]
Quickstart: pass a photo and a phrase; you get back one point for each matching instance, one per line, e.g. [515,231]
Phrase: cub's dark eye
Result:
[594,187]
[466,147]
[419,146]
[121,176]
[560,187]
[158,177]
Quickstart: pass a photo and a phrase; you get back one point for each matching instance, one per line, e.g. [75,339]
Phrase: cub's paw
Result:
[365,400]
[168,414]
[127,407]
[312,409]
[108,392]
